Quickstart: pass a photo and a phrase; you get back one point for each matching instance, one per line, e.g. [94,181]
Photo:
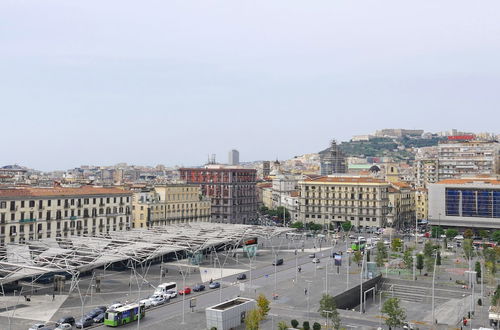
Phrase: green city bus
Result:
[123,315]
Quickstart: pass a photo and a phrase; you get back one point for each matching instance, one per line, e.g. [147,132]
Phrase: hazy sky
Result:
[150,82]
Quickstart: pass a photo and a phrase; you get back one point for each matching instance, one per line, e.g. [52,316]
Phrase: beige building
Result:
[170,203]
[335,199]
[401,205]
[36,213]
[421,204]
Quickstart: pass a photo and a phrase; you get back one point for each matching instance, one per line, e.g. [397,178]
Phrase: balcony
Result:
[72,217]
[27,220]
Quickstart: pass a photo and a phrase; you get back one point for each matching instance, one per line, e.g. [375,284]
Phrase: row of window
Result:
[483,203]
[344,188]
[13,229]
[319,216]
[66,214]
[60,202]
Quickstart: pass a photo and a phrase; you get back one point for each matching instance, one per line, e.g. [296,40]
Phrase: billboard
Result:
[338,260]
[461,137]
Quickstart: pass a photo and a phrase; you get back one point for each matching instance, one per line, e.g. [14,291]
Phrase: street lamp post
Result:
[308,293]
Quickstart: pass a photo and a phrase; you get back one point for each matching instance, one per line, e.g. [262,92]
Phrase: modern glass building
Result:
[467,202]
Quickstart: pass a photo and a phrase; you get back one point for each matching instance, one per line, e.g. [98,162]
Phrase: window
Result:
[32,203]
[3,205]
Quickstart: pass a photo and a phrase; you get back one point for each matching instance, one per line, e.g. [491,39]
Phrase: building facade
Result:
[232,191]
[466,203]
[36,213]
[401,205]
[233,157]
[361,200]
[421,204]
[168,204]
[332,160]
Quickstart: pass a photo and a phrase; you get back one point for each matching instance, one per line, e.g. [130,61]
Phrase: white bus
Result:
[164,287]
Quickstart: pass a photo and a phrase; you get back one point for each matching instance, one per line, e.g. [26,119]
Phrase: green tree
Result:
[477,268]
[468,248]
[346,226]
[450,233]
[484,233]
[429,264]
[252,319]
[428,249]
[396,244]
[495,300]
[445,243]
[305,325]
[468,233]
[297,225]
[263,305]
[357,257]
[316,326]
[368,255]
[438,258]
[295,323]
[282,325]
[327,304]
[436,231]
[495,236]
[408,259]
[381,254]
[490,257]
[396,315]
[420,262]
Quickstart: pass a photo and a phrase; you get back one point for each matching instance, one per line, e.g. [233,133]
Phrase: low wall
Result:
[350,298]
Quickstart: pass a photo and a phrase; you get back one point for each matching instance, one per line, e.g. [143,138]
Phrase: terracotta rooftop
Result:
[345,179]
[401,184]
[469,180]
[60,191]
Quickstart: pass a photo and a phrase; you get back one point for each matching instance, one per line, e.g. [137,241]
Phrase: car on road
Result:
[352,236]
[186,290]
[171,293]
[146,302]
[115,305]
[278,262]
[84,322]
[198,288]
[156,301]
[214,285]
[66,319]
[93,313]
[99,318]
[459,237]
[241,277]
[312,255]
[315,261]
[64,326]
[37,326]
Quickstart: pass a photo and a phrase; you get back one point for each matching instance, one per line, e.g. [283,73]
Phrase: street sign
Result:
[338,260]
[192,302]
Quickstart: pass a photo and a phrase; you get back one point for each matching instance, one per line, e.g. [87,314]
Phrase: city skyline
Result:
[172,82]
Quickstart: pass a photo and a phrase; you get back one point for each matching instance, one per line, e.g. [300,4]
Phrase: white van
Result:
[164,287]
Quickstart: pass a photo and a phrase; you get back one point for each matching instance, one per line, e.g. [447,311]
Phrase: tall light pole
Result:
[308,293]
[433,280]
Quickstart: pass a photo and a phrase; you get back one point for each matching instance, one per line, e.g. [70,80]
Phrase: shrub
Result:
[316,326]
[295,323]
[305,325]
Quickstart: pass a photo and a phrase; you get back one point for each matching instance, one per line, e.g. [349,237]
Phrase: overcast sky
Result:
[168,82]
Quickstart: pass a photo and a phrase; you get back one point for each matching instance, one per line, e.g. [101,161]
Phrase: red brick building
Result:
[232,191]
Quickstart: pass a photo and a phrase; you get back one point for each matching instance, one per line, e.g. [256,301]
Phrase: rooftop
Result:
[345,179]
[60,191]
[470,181]
[231,303]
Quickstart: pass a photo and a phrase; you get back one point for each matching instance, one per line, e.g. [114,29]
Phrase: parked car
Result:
[315,261]
[459,237]
[186,290]
[198,288]
[84,322]
[64,326]
[241,277]
[146,302]
[93,313]
[352,236]
[102,308]
[37,326]
[214,285]
[115,305]
[99,318]
[278,262]
[171,293]
[449,246]
[66,319]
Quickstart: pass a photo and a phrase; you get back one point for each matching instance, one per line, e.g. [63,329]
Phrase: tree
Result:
[490,258]
[445,243]
[396,244]
[396,315]
[316,326]
[428,249]
[305,325]
[468,248]
[252,319]
[495,300]
[263,305]
[327,303]
[357,257]
[295,323]
[283,326]
[297,225]
[381,254]
[438,258]
[408,259]
[468,233]
[450,233]
[429,264]
[346,226]
[436,231]
[477,268]
[368,254]
[484,233]
[496,236]
[420,262]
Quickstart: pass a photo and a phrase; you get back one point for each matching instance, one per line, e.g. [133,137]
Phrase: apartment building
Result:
[231,189]
[467,203]
[36,213]
[335,199]
[168,204]
[421,204]
[426,171]
[401,211]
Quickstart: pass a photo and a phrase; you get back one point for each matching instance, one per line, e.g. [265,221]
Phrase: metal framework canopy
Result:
[78,254]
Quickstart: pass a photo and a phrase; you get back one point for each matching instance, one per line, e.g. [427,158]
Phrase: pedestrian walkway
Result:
[39,308]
